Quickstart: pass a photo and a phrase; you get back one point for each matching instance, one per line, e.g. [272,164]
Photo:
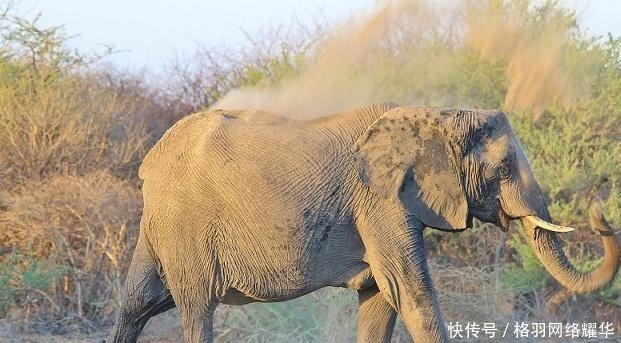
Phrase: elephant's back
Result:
[247,162]
[182,139]
[218,158]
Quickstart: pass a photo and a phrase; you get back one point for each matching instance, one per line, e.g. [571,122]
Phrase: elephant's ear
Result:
[404,155]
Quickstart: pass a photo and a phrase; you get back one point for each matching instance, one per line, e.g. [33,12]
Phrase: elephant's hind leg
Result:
[376,318]
[196,287]
[144,296]
[197,323]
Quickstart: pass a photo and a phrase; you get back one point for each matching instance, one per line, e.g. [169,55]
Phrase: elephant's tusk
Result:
[548,226]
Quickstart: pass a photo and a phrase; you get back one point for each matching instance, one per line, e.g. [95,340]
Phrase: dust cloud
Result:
[537,72]
[413,51]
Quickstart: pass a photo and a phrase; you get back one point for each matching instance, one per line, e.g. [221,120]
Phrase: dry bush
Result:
[198,81]
[471,294]
[478,295]
[144,101]
[73,125]
[85,226]
[72,137]
[60,112]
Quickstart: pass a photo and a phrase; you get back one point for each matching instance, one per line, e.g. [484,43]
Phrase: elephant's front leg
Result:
[397,258]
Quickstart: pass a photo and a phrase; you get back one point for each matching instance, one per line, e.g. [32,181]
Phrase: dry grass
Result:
[74,125]
[72,137]
[82,231]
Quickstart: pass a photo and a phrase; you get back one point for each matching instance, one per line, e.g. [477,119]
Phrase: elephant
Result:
[248,206]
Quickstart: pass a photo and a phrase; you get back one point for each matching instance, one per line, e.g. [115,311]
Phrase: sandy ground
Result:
[164,328]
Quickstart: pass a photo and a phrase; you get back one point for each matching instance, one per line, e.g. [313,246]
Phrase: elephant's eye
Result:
[505,170]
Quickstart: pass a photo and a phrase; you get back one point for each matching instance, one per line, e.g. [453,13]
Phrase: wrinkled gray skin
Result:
[245,206]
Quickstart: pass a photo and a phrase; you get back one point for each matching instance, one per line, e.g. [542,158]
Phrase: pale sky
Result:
[151,30]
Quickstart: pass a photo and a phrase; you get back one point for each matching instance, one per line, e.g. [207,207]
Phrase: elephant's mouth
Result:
[499,217]
[503,220]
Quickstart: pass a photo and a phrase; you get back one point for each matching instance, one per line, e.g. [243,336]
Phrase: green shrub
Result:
[527,274]
[25,280]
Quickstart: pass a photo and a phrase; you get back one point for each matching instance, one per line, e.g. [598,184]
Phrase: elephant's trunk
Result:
[548,249]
